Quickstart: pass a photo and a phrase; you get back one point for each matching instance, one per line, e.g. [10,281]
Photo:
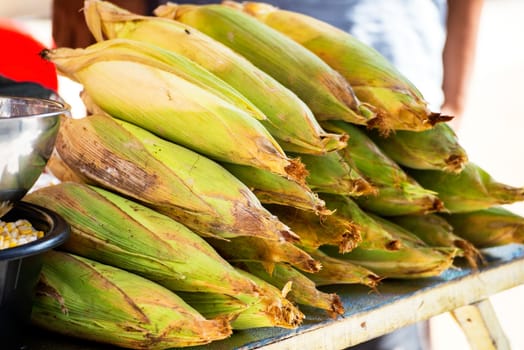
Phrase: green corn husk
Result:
[303,290]
[113,230]
[374,236]
[374,79]
[323,89]
[315,231]
[330,173]
[290,121]
[490,227]
[274,310]
[338,271]
[434,149]
[388,252]
[241,249]
[404,263]
[213,305]
[114,306]
[174,98]
[472,189]
[173,180]
[274,189]
[398,194]
[408,238]
[414,259]
[435,231]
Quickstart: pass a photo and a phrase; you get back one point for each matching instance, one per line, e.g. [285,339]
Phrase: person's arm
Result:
[459,53]
[69,26]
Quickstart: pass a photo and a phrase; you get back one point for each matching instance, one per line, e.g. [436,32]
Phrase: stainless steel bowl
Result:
[28,129]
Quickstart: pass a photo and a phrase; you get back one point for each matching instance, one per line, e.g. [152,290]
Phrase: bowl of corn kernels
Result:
[27,232]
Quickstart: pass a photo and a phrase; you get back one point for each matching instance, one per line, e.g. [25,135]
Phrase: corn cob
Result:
[404,263]
[267,252]
[338,271]
[169,178]
[472,189]
[386,252]
[171,96]
[72,63]
[288,315]
[411,258]
[490,227]
[274,310]
[330,173]
[315,231]
[414,259]
[274,189]
[435,231]
[290,121]
[398,194]
[323,89]
[373,234]
[434,149]
[113,230]
[374,80]
[114,306]
[405,236]
[303,290]
[213,305]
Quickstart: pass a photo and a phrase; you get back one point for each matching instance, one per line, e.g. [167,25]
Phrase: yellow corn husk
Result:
[490,227]
[117,307]
[398,194]
[169,178]
[323,89]
[374,79]
[174,98]
[267,252]
[315,231]
[435,231]
[113,230]
[374,236]
[470,190]
[273,310]
[274,189]
[434,149]
[290,121]
[74,62]
[338,271]
[330,173]
[303,290]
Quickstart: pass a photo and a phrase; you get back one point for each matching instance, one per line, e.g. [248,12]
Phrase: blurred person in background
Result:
[431,42]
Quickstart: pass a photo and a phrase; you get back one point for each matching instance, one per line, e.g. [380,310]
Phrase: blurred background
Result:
[491,131]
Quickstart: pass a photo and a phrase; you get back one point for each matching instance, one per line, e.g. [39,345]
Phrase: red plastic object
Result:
[20,59]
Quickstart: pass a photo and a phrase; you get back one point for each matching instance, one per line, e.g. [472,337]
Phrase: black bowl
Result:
[20,268]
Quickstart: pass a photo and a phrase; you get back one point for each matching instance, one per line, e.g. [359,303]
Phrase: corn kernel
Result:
[13,234]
